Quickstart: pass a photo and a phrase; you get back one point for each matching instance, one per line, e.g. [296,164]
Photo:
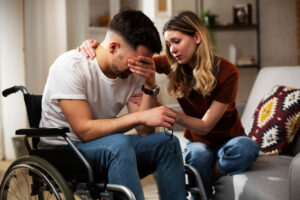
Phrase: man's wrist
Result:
[138,120]
[149,86]
[154,91]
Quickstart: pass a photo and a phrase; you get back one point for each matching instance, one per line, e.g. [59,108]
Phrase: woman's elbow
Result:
[205,129]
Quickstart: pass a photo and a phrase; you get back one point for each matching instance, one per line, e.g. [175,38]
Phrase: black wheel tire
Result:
[40,168]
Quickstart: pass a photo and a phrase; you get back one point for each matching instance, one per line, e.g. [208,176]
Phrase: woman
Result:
[205,86]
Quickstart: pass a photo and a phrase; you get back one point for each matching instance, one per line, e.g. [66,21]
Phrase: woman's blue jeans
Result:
[233,157]
[124,159]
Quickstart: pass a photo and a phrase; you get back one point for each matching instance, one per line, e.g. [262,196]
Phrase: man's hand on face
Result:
[144,67]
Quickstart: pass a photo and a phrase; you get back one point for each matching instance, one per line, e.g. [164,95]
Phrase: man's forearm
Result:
[93,129]
[147,102]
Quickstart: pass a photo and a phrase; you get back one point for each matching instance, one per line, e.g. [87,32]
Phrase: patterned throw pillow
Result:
[275,120]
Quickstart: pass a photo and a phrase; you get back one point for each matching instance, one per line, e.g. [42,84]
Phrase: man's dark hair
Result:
[137,29]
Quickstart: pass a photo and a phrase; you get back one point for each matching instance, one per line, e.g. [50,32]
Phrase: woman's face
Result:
[182,46]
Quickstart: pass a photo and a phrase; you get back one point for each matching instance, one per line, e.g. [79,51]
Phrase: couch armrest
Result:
[294,178]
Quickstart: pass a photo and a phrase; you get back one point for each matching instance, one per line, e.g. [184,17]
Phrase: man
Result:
[86,96]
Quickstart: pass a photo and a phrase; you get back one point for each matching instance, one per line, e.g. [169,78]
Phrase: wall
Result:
[77,22]
[179,5]
[298,29]
[12,71]
[278,32]
[277,18]
[1,128]
[99,8]
[45,39]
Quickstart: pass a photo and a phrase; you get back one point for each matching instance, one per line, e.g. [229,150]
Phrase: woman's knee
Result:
[248,148]
[237,155]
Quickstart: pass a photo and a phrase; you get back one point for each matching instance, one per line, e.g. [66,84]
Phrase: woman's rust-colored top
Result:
[195,105]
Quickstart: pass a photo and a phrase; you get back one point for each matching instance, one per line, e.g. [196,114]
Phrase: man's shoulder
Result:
[69,61]
[70,57]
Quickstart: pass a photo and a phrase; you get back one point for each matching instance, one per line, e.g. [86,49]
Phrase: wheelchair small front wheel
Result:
[32,177]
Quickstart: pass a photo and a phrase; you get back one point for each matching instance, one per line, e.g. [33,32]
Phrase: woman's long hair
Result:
[202,78]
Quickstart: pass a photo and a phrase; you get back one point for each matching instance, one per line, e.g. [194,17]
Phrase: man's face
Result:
[120,66]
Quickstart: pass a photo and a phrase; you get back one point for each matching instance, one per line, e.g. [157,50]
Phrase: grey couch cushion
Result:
[267,179]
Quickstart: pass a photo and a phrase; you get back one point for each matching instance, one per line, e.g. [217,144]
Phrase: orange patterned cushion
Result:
[275,120]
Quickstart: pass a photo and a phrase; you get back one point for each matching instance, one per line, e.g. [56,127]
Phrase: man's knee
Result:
[161,140]
[199,153]
[120,144]
[162,145]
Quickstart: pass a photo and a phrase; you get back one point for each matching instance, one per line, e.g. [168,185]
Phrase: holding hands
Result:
[160,117]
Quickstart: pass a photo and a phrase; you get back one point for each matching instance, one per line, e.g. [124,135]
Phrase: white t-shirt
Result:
[72,76]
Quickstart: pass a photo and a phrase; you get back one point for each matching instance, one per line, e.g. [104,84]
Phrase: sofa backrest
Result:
[265,80]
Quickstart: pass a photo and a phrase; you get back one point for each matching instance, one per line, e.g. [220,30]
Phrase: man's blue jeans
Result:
[124,159]
[233,157]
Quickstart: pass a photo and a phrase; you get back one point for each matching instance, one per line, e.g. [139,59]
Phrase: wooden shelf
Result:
[253,27]
[248,66]
[97,30]
[233,27]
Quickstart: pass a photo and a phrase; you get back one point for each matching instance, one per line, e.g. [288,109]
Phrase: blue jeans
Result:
[124,159]
[233,157]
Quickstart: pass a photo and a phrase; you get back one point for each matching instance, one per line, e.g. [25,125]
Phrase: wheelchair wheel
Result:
[32,177]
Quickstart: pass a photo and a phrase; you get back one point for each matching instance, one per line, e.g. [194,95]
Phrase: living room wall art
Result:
[163,8]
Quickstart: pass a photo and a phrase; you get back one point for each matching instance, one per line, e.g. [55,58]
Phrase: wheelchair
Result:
[62,174]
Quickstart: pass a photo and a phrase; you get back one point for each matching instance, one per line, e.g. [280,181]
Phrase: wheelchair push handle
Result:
[14,89]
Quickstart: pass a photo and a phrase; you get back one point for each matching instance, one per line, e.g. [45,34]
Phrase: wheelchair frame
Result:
[42,169]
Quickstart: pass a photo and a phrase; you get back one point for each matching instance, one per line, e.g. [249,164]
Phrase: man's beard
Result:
[121,74]
[125,74]
[117,73]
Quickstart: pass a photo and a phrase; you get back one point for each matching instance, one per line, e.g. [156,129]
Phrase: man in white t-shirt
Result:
[86,96]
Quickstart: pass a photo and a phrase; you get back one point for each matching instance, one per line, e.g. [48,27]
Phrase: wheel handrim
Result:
[17,187]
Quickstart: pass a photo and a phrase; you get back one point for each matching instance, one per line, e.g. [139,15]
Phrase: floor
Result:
[3,166]
[149,184]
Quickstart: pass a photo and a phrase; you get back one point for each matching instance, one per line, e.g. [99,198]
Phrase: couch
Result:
[270,177]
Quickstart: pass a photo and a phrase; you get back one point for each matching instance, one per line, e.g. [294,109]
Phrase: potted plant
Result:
[208,18]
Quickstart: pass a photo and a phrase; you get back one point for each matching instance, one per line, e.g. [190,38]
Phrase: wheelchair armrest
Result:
[54,132]
[43,132]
